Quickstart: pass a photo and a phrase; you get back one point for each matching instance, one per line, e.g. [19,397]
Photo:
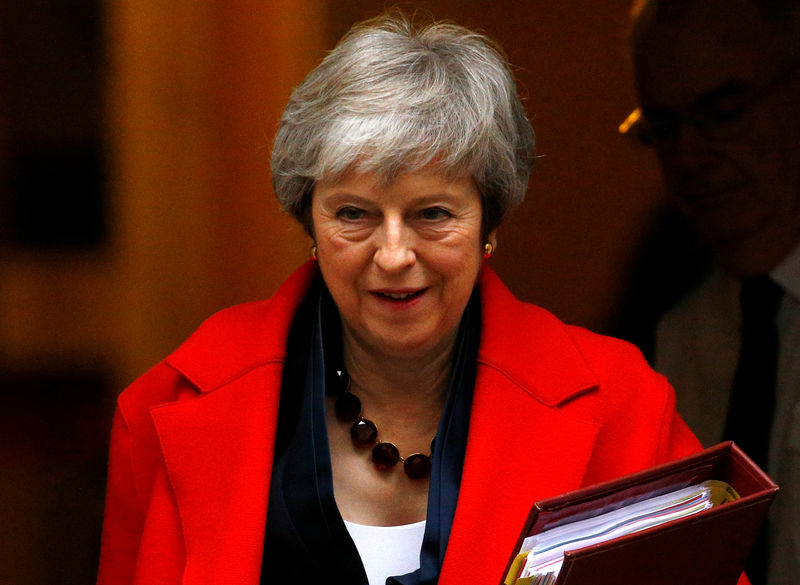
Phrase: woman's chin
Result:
[408,344]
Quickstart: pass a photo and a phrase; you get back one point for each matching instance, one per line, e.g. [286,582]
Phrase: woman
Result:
[259,451]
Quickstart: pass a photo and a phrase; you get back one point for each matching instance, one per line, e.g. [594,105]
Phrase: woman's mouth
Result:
[399,296]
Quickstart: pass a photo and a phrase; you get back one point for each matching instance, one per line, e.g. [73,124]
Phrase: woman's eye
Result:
[350,213]
[434,213]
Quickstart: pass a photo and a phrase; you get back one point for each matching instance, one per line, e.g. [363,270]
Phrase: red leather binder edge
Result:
[724,461]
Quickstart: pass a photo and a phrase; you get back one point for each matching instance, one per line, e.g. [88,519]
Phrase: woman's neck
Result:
[391,382]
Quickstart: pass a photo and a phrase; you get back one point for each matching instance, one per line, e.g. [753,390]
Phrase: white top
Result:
[387,551]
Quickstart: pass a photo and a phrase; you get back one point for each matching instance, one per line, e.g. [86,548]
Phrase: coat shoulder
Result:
[608,355]
[228,345]
[553,361]
[195,367]
[239,339]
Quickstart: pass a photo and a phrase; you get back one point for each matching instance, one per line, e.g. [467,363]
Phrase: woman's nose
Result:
[395,250]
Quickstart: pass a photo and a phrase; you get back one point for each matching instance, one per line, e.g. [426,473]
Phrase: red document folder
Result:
[708,548]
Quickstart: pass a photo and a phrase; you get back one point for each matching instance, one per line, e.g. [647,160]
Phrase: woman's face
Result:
[400,260]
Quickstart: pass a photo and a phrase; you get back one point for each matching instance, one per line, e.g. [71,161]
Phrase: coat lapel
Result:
[508,467]
[522,446]
[218,446]
[218,453]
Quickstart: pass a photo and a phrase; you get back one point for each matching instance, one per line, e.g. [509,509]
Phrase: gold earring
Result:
[313,251]
[488,250]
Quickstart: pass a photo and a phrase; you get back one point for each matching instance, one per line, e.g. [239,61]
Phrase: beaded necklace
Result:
[364,433]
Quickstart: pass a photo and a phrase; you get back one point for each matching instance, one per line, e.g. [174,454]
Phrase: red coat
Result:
[555,408]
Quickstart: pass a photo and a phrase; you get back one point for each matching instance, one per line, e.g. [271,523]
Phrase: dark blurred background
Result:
[135,200]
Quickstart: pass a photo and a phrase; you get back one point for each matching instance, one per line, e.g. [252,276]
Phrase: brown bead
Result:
[385,455]
[417,466]
[347,407]
[364,432]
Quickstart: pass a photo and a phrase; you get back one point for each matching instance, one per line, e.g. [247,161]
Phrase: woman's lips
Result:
[403,297]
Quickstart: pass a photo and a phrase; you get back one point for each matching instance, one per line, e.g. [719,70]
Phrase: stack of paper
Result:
[545,550]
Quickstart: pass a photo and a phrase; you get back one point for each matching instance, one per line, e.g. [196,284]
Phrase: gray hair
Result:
[393,98]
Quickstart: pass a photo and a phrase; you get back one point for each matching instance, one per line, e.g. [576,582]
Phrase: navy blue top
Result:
[306,539]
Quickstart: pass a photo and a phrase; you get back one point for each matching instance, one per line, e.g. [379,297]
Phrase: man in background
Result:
[719,90]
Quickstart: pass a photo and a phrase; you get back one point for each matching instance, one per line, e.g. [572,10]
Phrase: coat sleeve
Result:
[124,519]
[675,439]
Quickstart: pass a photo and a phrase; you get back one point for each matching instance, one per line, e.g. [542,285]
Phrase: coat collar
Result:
[547,365]
[234,341]
[530,346]
[218,449]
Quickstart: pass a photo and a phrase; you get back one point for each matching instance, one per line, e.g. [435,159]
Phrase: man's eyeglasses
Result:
[722,115]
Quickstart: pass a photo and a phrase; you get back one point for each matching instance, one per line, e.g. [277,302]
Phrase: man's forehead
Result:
[725,18]
[684,52]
